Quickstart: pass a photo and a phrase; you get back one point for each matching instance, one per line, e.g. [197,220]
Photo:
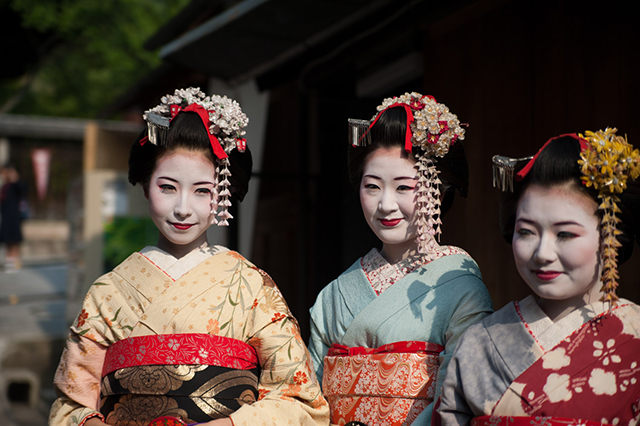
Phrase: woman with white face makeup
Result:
[570,355]
[185,332]
[382,333]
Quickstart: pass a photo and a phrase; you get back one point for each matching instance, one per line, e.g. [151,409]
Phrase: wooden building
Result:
[517,72]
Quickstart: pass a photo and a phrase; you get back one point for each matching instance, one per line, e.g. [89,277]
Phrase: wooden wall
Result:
[520,73]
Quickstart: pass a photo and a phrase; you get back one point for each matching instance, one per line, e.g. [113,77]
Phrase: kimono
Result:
[203,337]
[517,366]
[382,334]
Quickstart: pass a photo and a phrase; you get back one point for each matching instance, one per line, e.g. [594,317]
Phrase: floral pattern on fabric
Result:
[380,388]
[187,349]
[382,274]
[530,421]
[594,372]
[225,295]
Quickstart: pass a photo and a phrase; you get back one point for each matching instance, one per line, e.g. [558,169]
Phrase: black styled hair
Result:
[389,132]
[557,165]
[187,132]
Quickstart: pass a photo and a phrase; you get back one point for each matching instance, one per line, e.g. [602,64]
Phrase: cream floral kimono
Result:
[208,334]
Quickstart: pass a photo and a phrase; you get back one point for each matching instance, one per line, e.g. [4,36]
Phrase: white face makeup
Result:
[556,245]
[388,199]
[180,194]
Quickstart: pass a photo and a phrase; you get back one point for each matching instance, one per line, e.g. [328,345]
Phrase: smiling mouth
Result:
[390,222]
[547,275]
[182,226]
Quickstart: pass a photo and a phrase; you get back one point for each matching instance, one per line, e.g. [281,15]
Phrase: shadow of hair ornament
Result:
[431,129]
[224,122]
[606,162]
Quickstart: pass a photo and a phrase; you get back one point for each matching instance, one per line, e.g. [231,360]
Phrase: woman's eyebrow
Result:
[568,222]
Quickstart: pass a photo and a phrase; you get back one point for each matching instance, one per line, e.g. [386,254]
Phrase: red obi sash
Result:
[180,349]
[528,421]
[388,385]
[177,379]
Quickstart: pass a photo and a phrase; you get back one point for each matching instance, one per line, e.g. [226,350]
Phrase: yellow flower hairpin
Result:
[606,164]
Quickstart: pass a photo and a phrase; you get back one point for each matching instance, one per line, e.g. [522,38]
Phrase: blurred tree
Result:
[73,57]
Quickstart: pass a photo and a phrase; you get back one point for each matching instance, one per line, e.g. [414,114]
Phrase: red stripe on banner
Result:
[411,346]
[180,349]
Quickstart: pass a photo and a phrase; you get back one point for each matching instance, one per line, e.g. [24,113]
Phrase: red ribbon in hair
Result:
[407,137]
[527,168]
[415,105]
[204,116]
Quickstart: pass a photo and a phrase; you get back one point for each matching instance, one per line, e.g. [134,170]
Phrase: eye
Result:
[203,191]
[167,188]
[524,232]
[371,186]
[564,235]
[406,188]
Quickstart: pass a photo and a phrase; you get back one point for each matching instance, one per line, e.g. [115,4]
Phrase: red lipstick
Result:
[390,222]
[182,226]
[547,275]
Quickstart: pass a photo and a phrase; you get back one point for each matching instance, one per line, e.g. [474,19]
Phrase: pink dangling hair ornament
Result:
[430,128]
[224,122]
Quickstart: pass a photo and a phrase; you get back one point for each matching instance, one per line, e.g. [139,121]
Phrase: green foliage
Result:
[95,51]
[125,235]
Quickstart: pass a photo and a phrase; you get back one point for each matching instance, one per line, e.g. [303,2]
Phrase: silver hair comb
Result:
[158,126]
[359,132]
[503,168]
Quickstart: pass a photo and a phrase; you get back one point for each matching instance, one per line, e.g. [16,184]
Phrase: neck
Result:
[395,253]
[180,250]
[558,309]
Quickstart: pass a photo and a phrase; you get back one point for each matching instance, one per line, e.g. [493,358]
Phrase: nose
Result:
[545,251]
[387,202]
[182,209]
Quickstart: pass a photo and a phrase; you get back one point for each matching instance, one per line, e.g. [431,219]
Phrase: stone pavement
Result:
[33,327]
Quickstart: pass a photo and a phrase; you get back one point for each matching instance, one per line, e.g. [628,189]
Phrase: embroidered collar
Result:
[382,274]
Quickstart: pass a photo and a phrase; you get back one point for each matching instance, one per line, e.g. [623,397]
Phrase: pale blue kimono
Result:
[435,303]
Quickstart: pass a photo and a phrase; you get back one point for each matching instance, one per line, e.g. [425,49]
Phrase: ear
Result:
[145,189]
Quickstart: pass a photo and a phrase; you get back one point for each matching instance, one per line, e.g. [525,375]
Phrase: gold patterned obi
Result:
[194,377]
[388,385]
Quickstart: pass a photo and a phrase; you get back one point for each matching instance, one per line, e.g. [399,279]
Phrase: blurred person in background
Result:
[12,201]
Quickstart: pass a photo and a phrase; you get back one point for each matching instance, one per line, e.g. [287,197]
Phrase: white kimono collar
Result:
[549,334]
[176,268]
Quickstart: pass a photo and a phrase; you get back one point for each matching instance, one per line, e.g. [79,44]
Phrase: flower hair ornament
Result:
[225,123]
[431,130]
[606,162]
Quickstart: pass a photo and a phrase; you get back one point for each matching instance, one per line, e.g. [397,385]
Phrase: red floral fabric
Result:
[180,349]
[594,372]
[380,386]
[167,421]
[412,346]
[530,421]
